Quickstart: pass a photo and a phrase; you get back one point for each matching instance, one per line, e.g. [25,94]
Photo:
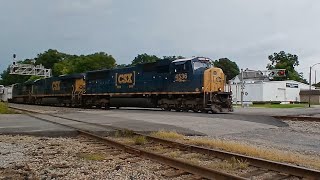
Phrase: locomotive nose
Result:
[214,80]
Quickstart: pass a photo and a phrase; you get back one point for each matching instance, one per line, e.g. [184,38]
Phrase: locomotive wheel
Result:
[105,106]
[88,106]
[166,107]
[204,111]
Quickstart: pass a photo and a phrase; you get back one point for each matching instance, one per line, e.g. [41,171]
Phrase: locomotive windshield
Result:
[201,64]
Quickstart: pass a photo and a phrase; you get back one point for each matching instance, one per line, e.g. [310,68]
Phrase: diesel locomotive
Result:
[181,85]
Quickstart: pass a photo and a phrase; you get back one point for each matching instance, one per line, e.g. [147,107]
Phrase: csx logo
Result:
[125,78]
[56,85]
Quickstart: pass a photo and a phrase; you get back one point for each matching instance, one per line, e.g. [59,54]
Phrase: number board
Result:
[56,86]
[181,77]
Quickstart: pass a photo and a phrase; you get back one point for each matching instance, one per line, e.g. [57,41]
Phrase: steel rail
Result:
[258,162]
[188,167]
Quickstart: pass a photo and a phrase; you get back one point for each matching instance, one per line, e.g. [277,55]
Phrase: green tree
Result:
[84,63]
[62,63]
[316,85]
[33,78]
[64,67]
[229,67]
[283,60]
[50,57]
[144,58]
[122,65]
[8,79]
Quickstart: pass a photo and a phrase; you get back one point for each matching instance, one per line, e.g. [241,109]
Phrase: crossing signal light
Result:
[277,73]
[272,74]
[281,73]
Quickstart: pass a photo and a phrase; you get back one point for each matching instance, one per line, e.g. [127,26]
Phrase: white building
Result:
[5,93]
[2,93]
[263,90]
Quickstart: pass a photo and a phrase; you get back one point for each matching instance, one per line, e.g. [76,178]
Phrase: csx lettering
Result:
[56,85]
[125,78]
[182,77]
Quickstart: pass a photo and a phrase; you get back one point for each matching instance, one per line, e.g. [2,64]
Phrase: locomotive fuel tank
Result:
[133,102]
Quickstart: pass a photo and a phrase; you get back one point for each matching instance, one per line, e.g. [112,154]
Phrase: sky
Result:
[245,31]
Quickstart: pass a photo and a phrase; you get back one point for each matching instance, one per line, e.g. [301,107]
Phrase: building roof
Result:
[251,75]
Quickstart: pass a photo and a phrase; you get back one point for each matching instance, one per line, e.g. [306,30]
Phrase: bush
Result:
[266,102]
[4,109]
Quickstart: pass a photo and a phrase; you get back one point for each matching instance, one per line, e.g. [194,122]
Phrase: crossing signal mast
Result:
[28,69]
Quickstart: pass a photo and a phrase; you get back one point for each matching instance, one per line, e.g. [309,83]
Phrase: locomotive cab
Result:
[198,77]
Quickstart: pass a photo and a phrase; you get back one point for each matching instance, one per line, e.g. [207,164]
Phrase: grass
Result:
[167,135]
[230,165]
[91,157]
[159,149]
[131,140]
[279,105]
[231,146]
[140,140]
[124,133]
[174,154]
[195,158]
[4,109]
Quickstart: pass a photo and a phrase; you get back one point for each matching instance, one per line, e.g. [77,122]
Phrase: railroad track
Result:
[258,168]
[299,118]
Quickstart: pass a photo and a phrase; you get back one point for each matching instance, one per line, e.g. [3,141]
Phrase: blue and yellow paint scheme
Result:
[187,75]
[193,78]
[183,84]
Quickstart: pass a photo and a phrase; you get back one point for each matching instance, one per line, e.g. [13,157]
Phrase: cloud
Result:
[245,31]
[81,7]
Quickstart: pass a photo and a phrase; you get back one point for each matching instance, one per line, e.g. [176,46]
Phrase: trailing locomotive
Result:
[63,91]
[181,85]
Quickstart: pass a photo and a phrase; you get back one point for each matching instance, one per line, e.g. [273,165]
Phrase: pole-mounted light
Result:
[310,84]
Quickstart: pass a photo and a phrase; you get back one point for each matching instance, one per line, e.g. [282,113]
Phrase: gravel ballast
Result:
[25,157]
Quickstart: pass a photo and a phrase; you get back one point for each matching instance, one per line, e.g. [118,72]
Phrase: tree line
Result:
[63,63]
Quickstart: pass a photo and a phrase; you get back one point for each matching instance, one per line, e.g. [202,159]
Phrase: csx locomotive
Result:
[181,85]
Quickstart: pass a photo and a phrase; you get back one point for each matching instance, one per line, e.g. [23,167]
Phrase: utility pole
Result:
[310,87]
[242,87]
[310,83]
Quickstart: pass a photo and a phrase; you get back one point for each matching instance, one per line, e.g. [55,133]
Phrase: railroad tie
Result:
[254,173]
[176,173]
